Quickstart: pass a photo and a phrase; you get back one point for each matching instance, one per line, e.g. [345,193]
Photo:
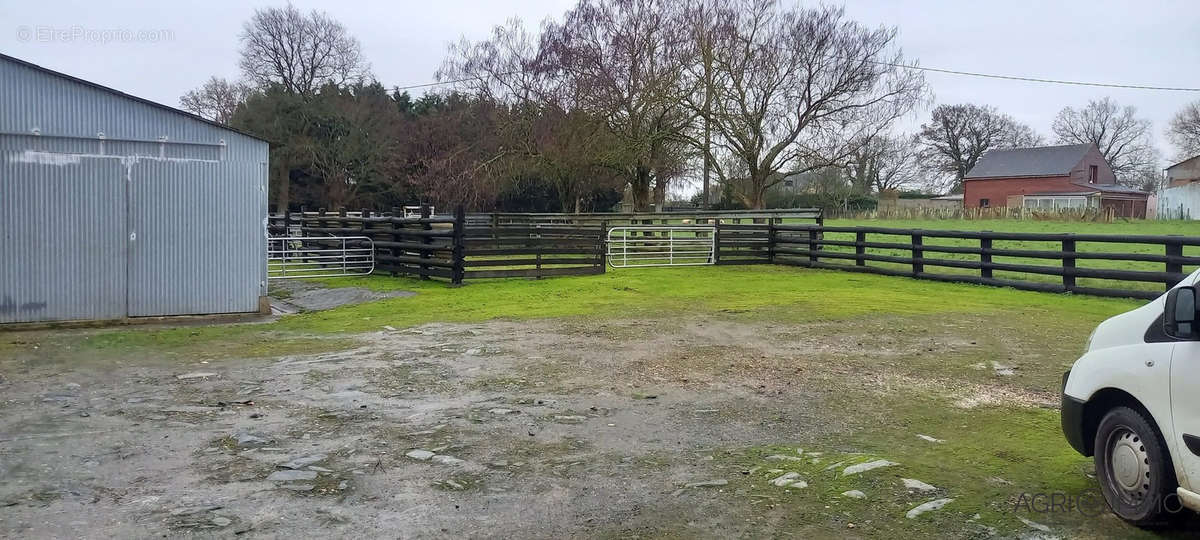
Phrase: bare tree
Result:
[624,60]
[216,99]
[958,135]
[300,52]
[1184,130]
[1124,140]
[545,131]
[798,89]
[884,162]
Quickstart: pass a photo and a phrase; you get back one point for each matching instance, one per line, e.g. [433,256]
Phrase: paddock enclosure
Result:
[479,246]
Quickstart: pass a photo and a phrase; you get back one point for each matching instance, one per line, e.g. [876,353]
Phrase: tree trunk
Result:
[660,193]
[640,188]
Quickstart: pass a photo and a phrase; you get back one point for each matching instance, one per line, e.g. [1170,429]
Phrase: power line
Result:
[934,70]
[1040,80]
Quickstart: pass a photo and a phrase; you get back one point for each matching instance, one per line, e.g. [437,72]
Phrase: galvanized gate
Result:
[660,246]
[294,257]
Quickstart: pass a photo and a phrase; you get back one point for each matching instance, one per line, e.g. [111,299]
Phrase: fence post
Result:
[860,250]
[425,240]
[395,237]
[495,225]
[342,223]
[812,246]
[716,254]
[323,224]
[1068,263]
[918,254]
[603,247]
[458,249]
[985,256]
[770,241]
[1174,248]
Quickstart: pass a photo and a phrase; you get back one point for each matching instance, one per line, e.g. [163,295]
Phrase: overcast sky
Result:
[163,49]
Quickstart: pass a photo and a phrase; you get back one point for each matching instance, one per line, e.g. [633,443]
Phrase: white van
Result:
[1133,401]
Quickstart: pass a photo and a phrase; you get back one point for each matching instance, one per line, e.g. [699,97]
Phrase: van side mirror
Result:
[1179,317]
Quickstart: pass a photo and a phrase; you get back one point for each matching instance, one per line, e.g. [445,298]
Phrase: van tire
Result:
[1133,467]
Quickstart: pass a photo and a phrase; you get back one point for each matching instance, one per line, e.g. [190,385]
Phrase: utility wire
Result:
[934,70]
[1039,80]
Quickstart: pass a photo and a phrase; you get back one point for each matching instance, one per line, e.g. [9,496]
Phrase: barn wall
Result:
[1182,202]
[112,207]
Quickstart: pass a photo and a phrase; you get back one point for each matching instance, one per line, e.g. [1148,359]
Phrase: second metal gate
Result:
[660,246]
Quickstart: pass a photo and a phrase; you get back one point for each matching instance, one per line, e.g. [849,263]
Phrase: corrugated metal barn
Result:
[112,206]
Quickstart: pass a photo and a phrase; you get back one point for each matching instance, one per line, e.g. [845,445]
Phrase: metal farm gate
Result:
[292,257]
[660,246]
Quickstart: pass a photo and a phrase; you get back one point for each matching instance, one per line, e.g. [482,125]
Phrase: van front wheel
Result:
[1133,468]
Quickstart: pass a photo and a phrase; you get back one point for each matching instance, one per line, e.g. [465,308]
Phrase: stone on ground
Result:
[786,479]
[419,454]
[930,506]
[195,375]
[291,476]
[301,462]
[707,483]
[864,467]
[930,439]
[1034,524]
[446,460]
[780,457]
[854,494]
[910,483]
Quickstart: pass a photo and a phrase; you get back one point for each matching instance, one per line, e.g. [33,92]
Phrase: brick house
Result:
[1183,173]
[1050,178]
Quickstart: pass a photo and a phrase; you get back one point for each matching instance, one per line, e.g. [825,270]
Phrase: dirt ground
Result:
[550,429]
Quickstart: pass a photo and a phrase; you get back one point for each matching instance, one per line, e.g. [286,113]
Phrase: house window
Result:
[984,203]
[1093,171]
[1056,203]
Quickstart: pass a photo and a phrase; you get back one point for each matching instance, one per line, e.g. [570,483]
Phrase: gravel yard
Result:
[712,425]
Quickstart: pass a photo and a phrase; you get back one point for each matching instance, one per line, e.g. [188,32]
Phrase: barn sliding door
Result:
[62,228]
[196,238]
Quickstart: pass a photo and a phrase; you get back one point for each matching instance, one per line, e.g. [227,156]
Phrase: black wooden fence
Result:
[1112,265]
[445,247]
[457,248]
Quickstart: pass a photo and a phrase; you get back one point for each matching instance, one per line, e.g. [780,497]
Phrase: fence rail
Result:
[972,257]
[457,248]
[615,219]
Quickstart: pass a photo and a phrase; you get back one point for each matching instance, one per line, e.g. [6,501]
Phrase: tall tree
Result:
[625,60]
[799,89]
[884,162]
[217,99]
[286,51]
[545,132]
[1125,140]
[958,135]
[1184,130]
[299,52]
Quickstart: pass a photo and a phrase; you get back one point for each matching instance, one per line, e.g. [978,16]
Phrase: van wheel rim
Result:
[1128,465]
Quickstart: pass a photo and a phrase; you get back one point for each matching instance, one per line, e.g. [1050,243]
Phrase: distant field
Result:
[1186,228]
